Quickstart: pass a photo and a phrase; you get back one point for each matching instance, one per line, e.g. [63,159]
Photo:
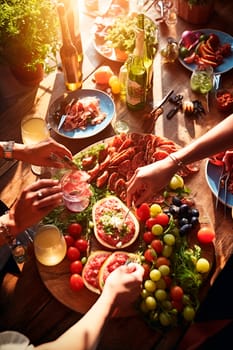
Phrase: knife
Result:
[63,117]
[162,102]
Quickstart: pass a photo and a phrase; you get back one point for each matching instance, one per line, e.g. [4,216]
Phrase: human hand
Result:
[35,202]
[149,180]
[46,153]
[123,285]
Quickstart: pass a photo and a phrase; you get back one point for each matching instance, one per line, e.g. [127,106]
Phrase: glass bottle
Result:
[137,77]
[72,14]
[170,52]
[147,54]
[69,55]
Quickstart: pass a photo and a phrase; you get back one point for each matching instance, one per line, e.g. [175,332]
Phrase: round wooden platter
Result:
[56,278]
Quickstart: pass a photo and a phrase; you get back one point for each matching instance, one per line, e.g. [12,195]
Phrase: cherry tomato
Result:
[176,293]
[205,235]
[76,266]
[150,222]
[69,240]
[178,305]
[146,270]
[76,282]
[162,219]
[75,229]
[167,280]
[148,237]
[150,255]
[162,260]
[73,253]
[81,244]
[143,212]
[157,245]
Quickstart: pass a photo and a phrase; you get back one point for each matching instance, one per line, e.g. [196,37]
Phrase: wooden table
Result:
[25,302]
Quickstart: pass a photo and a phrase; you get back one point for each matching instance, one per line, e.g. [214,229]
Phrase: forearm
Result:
[85,334]
[218,139]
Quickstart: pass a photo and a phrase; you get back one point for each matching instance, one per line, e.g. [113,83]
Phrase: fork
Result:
[224,177]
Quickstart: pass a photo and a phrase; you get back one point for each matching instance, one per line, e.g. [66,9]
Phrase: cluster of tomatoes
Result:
[76,253]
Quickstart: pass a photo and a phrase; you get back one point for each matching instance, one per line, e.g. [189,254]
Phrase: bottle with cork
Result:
[68,53]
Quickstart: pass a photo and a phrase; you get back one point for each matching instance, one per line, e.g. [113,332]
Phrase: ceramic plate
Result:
[227,62]
[100,44]
[54,115]
[213,173]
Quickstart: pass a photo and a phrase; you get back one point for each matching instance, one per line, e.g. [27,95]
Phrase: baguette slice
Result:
[114,226]
[90,273]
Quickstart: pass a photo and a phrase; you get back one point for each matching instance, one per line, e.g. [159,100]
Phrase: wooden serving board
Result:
[56,278]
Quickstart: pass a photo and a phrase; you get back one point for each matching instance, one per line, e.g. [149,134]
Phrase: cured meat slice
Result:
[90,273]
[114,226]
[115,260]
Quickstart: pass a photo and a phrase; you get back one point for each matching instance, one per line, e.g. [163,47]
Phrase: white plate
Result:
[106,105]
[227,61]
[213,173]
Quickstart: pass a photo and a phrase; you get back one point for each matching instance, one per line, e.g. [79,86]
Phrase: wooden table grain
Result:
[26,304]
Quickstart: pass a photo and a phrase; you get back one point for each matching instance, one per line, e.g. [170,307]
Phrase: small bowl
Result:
[224,100]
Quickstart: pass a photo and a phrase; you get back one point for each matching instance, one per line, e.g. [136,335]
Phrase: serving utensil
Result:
[223,183]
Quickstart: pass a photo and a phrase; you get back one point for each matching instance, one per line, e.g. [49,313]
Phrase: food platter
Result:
[228,61]
[213,173]
[105,47]
[145,147]
[56,110]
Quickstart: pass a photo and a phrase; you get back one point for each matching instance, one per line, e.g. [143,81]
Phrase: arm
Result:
[39,154]
[152,178]
[121,287]
[29,208]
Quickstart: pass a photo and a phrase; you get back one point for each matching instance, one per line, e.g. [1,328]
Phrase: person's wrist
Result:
[7,227]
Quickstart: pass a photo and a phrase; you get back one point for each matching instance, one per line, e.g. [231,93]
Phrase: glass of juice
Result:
[33,130]
[49,245]
[202,79]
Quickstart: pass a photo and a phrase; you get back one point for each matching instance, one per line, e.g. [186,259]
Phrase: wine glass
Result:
[202,81]
[33,130]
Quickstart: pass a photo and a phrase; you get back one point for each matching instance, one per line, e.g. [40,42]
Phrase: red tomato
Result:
[73,253]
[143,212]
[148,237]
[76,266]
[176,293]
[146,270]
[157,245]
[69,240]
[150,222]
[168,280]
[178,305]
[75,229]
[150,255]
[76,282]
[205,235]
[162,219]
[81,244]
[162,260]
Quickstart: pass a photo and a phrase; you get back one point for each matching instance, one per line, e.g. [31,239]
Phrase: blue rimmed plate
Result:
[213,173]
[56,111]
[227,62]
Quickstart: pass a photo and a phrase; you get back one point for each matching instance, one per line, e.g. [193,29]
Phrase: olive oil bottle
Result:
[69,55]
[137,75]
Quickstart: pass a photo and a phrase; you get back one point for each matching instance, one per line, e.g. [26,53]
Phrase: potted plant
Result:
[195,11]
[28,37]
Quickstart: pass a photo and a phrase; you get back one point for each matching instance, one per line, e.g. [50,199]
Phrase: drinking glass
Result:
[49,245]
[76,190]
[202,81]
[34,130]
